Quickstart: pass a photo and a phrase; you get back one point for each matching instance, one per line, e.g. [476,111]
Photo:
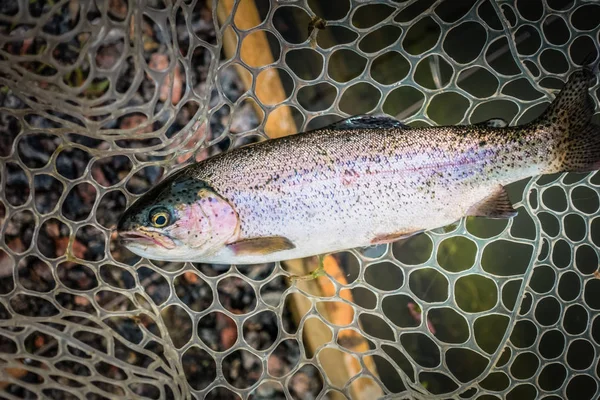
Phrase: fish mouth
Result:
[146,238]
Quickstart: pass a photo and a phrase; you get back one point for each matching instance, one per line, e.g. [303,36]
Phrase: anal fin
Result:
[261,245]
[496,205]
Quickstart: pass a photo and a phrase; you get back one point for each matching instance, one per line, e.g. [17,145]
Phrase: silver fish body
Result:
[374,181]
[334,190]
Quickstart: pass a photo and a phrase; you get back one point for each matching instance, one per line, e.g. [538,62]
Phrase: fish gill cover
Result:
[100,100]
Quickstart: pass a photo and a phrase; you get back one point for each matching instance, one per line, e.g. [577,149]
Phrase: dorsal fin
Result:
[494,123]
[496,205]
[368,122]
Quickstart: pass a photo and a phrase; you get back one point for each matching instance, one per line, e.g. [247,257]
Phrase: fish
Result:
[362,181]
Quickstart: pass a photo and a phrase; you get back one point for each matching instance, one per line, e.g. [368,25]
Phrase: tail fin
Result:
[577,139]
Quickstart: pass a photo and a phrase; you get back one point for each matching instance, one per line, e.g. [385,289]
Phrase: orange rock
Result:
[190,277]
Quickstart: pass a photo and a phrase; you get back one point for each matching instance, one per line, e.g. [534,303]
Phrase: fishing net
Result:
[100,99]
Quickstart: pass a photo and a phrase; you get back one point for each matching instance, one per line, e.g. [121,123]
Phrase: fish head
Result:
[181,219]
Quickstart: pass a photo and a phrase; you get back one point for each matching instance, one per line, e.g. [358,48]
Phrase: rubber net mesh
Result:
[99,100]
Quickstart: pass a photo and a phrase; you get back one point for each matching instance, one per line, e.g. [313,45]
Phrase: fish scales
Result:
[361,181]
[319,182]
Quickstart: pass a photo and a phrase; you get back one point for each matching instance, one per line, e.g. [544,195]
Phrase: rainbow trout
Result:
[365,180]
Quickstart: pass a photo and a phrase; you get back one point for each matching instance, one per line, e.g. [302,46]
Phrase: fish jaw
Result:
[181,253]
[155,247]
[145,238]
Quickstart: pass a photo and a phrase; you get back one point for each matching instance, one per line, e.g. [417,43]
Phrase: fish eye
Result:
[159,218]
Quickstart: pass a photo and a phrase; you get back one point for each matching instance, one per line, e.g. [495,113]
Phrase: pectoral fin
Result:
[261,245]
[496,205]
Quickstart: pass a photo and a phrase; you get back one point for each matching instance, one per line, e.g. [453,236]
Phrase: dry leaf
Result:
[197,137]
[39,341]
[81,301]
[160,62]
[228,330]
[52,229]
[16,245]
[99,177]
[79,249]
[61,245]
[136,121]
[6,265]
[26,44]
